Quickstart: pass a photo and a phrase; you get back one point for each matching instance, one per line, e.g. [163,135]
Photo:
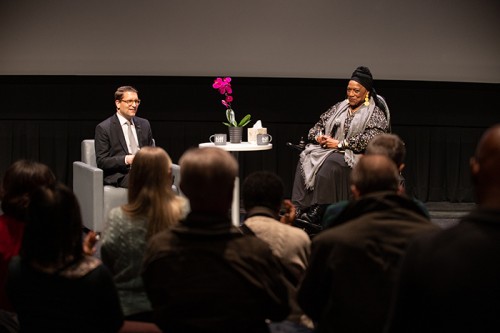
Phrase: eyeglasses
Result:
[132,101]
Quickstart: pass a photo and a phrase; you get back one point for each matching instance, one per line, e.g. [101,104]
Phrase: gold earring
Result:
[367,100]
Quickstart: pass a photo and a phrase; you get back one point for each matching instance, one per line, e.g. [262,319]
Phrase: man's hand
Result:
[289,215]
[129,159]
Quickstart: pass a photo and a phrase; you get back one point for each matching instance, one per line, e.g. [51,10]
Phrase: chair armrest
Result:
[113,197]
[89,190]
[176,174]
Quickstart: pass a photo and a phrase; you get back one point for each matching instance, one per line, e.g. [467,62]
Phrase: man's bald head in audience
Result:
[374,173]
[485,168]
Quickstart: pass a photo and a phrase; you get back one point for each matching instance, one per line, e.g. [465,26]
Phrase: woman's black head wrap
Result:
[363,76]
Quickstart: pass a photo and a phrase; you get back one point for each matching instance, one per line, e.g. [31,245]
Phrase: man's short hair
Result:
[122,90]
[374,173]
[262,188]
[207,172]
[389,145]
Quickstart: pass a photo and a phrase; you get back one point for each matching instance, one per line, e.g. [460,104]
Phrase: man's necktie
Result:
[131,138]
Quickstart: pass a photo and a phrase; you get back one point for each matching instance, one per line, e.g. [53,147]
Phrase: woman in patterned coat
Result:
[339,138]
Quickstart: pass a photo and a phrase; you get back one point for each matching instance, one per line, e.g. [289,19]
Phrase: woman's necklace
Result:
[352,110]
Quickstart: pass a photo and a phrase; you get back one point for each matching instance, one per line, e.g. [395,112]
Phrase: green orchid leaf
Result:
[245,121]
[230,117]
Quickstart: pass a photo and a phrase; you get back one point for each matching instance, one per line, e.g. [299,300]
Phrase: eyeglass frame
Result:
[131,101]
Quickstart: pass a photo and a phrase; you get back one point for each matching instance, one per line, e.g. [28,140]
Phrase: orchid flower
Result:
[224,87]
[227,102]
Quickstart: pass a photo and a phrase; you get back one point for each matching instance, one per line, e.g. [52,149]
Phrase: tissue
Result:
[256,129]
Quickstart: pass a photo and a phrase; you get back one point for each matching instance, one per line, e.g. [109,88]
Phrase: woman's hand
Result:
[321,139]
[329,143]
[89,243]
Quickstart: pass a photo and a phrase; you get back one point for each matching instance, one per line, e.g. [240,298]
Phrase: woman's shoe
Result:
[315,214]
[298,212]
[311,229]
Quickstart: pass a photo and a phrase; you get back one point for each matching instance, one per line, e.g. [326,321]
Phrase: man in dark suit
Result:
[450,281]
[119,137]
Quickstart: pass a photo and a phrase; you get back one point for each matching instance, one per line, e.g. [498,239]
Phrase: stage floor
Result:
[447,214]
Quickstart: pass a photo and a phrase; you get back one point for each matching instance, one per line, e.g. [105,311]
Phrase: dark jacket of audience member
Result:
[204,275]
[19,181]
[353,267]
[53,285]
[450,280]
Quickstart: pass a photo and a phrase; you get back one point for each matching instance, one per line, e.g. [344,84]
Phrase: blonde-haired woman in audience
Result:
[152,206]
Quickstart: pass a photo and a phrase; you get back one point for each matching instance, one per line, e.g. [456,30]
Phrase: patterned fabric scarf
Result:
[314,155]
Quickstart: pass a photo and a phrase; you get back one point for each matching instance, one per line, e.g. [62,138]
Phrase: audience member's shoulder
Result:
[327,236]
[468,232]
[290,232]
[161,238]
[429,244]
[296,234]
[116,214]
[158,246]
[83,267]
[248,243]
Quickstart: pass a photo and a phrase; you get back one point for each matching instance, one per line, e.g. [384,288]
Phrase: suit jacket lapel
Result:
[138,131]
[117,128]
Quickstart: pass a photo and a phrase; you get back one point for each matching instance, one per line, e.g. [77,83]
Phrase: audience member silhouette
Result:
[53,285]
[353,267]
[20,179]
[389,145]
[152,206]
[263,198]
[204,275]
[450,280]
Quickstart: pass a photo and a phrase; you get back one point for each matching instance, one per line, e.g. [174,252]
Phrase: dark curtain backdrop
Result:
[45,118]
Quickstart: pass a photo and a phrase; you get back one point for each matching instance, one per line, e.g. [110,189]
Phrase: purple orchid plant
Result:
[224,87]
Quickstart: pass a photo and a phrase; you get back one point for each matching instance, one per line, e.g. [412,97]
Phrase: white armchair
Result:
[95,198]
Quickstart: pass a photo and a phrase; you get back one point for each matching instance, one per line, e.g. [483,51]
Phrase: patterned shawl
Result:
[313,156]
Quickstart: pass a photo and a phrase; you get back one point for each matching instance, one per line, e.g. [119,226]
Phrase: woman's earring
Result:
[367,100]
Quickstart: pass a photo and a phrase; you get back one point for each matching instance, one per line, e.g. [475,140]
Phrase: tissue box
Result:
[252,134]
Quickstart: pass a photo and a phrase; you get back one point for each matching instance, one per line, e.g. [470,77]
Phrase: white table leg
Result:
[235,206]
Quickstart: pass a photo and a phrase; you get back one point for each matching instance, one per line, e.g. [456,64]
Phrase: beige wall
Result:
[446,40]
